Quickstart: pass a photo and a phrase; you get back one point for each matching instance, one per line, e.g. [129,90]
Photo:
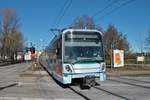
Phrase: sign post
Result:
[140,59]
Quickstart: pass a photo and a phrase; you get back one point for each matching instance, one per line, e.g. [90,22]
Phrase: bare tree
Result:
[11,37]
[114,40]
[84,22]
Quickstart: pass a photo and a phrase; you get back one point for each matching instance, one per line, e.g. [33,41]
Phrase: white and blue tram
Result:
[77,54]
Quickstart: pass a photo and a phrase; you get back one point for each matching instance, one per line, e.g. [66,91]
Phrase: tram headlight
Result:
[103,67]
[67,67]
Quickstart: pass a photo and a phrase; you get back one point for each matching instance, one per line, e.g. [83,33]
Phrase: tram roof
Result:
[81,30]
[72,30]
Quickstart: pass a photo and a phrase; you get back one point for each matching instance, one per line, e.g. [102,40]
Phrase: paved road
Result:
[17,83]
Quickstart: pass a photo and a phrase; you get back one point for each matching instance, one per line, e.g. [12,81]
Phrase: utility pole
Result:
[141,43]
[111,57]
[141,47]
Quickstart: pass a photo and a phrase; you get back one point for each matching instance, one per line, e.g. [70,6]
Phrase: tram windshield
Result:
[83,47]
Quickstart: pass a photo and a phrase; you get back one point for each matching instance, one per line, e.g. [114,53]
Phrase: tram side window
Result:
[59,51]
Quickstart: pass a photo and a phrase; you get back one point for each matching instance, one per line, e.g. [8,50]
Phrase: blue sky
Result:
[38,16]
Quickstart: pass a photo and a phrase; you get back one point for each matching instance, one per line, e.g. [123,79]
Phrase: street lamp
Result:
[42,44]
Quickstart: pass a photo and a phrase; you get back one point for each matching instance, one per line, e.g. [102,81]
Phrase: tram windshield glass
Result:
[83,47]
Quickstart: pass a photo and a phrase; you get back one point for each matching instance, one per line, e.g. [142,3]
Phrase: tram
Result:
[77,54]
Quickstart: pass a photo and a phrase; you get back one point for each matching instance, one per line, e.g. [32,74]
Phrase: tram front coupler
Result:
[89,81]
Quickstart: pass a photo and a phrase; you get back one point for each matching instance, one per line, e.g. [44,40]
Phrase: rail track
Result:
[124,78]
[120,80]
[99,90]
[129,83]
